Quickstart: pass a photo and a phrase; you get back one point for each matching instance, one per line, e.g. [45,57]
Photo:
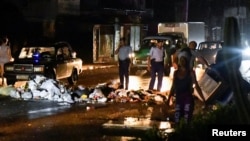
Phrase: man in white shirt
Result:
[123,52]
[156,65]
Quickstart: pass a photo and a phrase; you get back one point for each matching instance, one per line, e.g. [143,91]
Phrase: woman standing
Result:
[182,87]
[5,54]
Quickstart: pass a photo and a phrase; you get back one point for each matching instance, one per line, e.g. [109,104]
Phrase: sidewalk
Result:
[98,66]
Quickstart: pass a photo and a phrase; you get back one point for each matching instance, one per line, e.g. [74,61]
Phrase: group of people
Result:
[5,54]
[184,77]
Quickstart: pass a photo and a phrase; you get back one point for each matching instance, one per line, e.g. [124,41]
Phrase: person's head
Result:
[5,40]
[159,43]
[122,41]
[192,45]
[184,57]
[179,44]
[183,62]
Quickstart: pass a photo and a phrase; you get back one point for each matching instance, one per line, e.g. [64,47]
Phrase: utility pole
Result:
[186,10]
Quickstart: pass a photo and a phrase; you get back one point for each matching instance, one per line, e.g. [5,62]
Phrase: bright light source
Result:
[165,125]
[91,67]
[9,68]
[246,52]
[132,55]
[38,69]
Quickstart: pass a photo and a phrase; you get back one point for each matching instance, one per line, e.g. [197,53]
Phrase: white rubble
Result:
[41,87]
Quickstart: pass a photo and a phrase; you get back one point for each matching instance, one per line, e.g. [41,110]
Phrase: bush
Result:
[198,129]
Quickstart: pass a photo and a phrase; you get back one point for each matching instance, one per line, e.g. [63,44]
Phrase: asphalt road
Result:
[44,120]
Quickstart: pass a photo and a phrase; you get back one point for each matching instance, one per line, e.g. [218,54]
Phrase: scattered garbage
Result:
[40,87]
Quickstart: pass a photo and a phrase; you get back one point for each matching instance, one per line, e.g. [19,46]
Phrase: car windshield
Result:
[210,46]
[31,52]
[148,43]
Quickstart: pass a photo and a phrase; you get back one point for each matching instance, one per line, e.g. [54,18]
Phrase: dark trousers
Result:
[124,72]
[157,68]
[184,108]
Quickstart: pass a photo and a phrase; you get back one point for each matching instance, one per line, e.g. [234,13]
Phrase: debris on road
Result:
[44,88]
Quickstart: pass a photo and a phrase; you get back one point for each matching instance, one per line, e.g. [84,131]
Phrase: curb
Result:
[97,66]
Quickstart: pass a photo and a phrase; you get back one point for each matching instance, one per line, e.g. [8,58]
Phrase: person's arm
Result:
[149,63]
[130,52]
[149,59]
[201,58]
[172,91]
[9,53]
[175,60]
[197,86]
[117,49]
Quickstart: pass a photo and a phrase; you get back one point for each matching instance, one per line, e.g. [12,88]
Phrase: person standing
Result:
[192,45]
[123,52]
[194,54]
[179,45]
[156,65]
[5,54]
[182,87]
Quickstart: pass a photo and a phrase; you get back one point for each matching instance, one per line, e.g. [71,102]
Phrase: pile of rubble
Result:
[41,87]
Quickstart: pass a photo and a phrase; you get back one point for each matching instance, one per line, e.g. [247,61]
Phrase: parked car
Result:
[208,49]
[139,58]
[55,61]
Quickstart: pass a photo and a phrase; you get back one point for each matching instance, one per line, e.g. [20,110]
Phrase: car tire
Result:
[50,74]
[73,78]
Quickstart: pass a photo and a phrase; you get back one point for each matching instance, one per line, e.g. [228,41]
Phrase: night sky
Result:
[164,11]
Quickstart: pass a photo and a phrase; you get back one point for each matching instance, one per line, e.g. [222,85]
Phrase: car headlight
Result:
[9,68]
[38,69]
[132,55]
[134,61]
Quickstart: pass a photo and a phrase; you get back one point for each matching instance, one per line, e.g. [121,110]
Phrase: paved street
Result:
[46,120]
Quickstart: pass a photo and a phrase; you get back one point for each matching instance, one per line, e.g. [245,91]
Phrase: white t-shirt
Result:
[157,54]
[124,52]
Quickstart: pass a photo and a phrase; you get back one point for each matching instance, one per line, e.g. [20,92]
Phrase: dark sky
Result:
[11,20]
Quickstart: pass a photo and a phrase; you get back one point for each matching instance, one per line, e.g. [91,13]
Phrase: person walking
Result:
[5,54]
[123,52]
[182,88]
[156,65]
